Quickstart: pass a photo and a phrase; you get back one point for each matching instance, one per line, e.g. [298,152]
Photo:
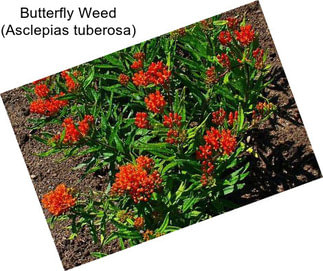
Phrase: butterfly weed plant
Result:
[166,119]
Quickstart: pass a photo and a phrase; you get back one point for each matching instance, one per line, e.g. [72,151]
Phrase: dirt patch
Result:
[46,173]
[285,157]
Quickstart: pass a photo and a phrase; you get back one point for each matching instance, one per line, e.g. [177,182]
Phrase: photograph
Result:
[161,135]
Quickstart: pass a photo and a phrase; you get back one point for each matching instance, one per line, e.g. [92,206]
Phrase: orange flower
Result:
[59,200]
[225,37]
[84,125]
[147,235]
[212,138]
[172,119]
[77,73]
[232,22]
[204,153]
[123,79]
[74,133]
[207,167]
[135,181]
[204,179]
[232,118]
[141,120]
[258,55]
[145,162]
[155,102]
[140,79]
[216,142]
[181,32]
[172,136]
[218,116]
[224,60]
[48,107]
[137,65]
[70,83]
[139,56]
[158,73]
[139,223]
[261,107]
[211,76]
[246,35]
[41,90]
[228,142]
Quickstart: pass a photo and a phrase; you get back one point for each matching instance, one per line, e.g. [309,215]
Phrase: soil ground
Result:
[285,160]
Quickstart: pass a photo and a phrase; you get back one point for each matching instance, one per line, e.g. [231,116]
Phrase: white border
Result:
[283,232]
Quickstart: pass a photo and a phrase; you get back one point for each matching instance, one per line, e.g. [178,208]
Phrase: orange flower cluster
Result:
[172,121]
[157,74]
[139,223]
[141,120]
[48,107]
[139,56]
[218,117]
[224,60]
[181,32]
[232,22]
[225,37]
[155,102]
[137,65]
[216,143]
[228,142]
[258,55]
[123,79]
[211,77]
[136,181]
[59,200]
[41,90]
[84,125]
[74,133]
[145,162]
[140,79]
[262,108]
[172,136]
[70,83]
[246,35]
[147,235]
[232,118]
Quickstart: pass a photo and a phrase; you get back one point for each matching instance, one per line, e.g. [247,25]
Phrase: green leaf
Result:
[129,234]
[89,79]
[119,144]
[111,237]
[164,225]
[240,118]
[180,190]
[188,203]
[47,153]
[220,22]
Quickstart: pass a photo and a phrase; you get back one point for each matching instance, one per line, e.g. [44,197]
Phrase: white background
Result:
[283,232]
